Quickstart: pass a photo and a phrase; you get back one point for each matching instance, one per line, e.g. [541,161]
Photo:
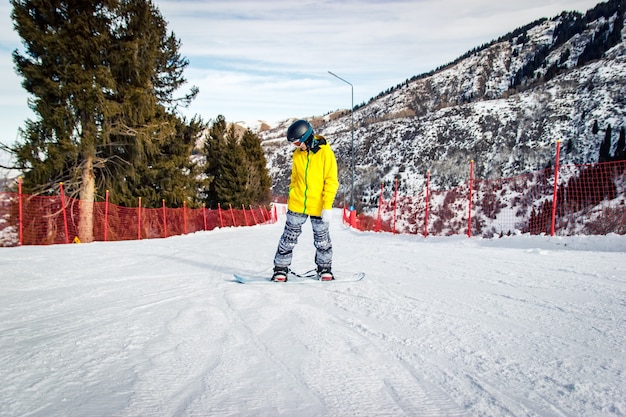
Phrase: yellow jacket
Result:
[313,180]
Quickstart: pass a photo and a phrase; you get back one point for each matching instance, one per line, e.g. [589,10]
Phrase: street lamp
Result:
[352,143]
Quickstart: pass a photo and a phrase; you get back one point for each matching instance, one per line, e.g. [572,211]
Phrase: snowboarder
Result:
[311,194]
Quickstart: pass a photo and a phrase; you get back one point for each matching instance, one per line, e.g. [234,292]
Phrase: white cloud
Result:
[270,60]
[373,44]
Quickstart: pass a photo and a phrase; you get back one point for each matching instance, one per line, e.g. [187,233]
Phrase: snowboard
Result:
[294,278]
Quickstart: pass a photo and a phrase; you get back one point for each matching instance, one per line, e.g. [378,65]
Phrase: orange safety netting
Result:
[588,199]
[46,220]
[567,200]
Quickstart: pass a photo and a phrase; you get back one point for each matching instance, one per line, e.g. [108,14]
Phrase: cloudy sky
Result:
[269,59]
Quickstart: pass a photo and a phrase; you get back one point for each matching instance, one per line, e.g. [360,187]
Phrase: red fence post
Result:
[204,214]
[245,216]
[469,204]
[106,215]
[139,220]
[184,217]
[67,238]
[380,207]
[21,212]
[164,219]
[219,211]
[253,216]
[556,183]
[395,206]
[232,214]
[425,233]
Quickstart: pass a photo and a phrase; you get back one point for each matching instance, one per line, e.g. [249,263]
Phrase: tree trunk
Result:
[87,192]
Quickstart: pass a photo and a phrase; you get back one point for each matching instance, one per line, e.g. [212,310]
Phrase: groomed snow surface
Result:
[518,326]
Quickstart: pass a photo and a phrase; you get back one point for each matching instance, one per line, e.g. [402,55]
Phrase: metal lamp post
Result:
[352,143]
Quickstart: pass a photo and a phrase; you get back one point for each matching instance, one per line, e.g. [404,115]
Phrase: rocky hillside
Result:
[503,105]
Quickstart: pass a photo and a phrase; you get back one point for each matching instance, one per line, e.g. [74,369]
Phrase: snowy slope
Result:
[520,326]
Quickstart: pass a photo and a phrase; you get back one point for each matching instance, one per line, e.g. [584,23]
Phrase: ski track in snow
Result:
[520,326]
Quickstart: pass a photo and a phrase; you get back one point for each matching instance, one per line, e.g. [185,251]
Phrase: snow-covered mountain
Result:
[503,105]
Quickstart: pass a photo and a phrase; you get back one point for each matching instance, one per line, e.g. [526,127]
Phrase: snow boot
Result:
[280,274]
[325,274]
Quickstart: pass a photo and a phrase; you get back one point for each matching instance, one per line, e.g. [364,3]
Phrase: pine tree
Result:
[230,185]
[215,145]
[102,75]
[236,167]
[168,174]
[259,181]
[157,145]
[65,71]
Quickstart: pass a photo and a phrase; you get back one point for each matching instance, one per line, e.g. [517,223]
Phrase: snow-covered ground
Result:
[518,326]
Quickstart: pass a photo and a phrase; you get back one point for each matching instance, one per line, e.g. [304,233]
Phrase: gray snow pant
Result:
[289,238]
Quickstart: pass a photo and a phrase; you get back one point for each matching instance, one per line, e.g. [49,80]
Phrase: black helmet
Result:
[300,131]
